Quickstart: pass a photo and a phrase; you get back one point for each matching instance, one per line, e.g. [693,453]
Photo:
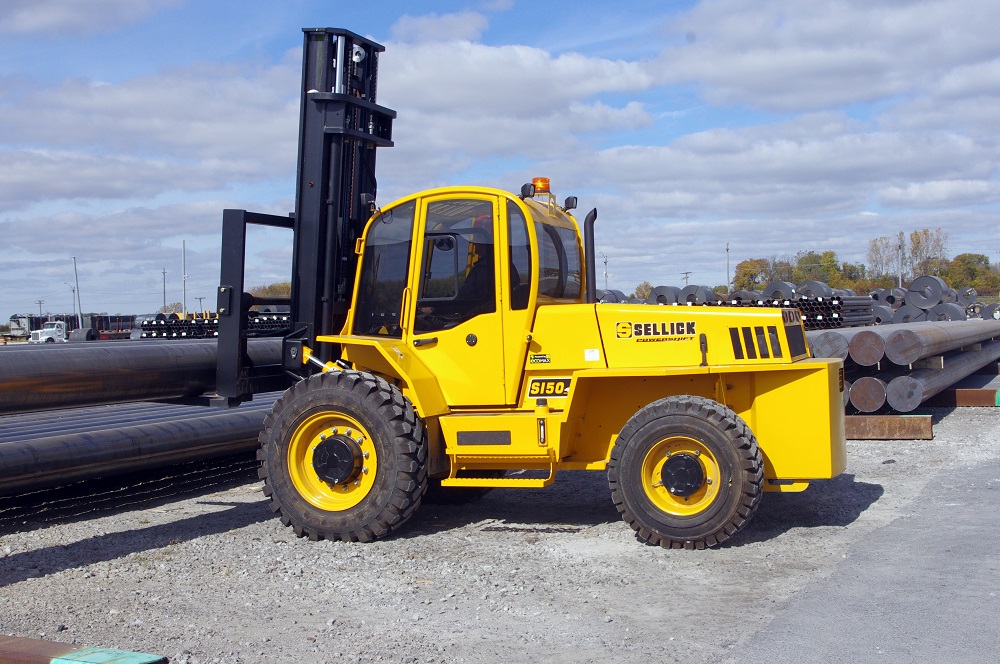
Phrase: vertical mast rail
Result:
[340,126]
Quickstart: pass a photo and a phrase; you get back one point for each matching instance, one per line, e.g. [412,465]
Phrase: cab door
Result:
[454,314]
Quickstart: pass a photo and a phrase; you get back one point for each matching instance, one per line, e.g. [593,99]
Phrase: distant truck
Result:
[51,332]
[97,326]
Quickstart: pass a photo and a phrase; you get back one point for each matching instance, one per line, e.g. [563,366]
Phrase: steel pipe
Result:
[72,375]
[915,341]
[54,458]
[906,393]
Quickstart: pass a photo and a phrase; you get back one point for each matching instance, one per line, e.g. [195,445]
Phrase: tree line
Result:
[890,259]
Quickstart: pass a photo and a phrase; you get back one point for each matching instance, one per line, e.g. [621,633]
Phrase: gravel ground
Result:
[195,567]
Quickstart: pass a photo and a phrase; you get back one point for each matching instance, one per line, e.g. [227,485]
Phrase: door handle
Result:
[424,342]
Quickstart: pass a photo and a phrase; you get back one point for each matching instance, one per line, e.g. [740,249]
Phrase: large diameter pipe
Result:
[63,458]
[75,375]
[915,341]
[906,393]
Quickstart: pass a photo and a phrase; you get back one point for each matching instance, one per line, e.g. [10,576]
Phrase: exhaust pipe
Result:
[590,293]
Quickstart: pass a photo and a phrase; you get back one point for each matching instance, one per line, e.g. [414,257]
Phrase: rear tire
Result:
[686,472]
[365,425]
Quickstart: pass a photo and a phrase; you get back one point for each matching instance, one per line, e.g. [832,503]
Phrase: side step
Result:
[470,464]
[501,482]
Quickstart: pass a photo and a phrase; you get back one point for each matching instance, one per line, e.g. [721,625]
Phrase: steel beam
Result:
[888,427]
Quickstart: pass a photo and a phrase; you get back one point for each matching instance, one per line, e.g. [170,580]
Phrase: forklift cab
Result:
[453,273]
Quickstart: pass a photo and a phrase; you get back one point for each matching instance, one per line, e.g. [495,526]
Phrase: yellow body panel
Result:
[488,386]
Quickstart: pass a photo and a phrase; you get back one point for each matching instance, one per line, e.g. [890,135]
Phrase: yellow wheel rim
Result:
[652,467]
[316,491]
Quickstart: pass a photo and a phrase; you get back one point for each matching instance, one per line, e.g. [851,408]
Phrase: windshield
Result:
[384,267]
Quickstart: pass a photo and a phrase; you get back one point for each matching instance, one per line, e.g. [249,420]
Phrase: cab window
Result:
[384,266]
[520,257]
[457,277]
[559,257]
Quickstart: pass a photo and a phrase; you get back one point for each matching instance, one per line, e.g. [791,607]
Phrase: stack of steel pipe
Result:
[876,358]
[821,306]
[258,324]
[39,450]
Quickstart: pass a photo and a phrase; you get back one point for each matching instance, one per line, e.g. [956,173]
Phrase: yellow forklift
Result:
[454,339]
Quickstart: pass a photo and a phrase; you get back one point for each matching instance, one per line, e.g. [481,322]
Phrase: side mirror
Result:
[570,203]
[527,191]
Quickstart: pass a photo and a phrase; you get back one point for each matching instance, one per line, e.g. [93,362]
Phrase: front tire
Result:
[686,472]
[343,456]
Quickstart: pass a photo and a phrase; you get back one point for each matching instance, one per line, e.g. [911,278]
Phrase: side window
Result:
[559,255]
[520,257]
[457,277]
[384,267]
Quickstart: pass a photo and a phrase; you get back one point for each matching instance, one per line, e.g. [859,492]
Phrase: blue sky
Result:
[127,126]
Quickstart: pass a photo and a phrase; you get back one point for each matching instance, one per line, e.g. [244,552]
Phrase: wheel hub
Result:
[337,459]
[682,474]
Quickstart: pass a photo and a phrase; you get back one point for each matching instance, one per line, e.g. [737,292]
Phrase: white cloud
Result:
[789,55]
[467,78]
[461,26]
[941,193]
[74,16]
[202,127]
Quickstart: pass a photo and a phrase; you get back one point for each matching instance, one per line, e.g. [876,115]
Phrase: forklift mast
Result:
[340,126]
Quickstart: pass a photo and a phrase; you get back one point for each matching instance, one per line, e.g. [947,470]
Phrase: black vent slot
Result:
[748,341]
[734,334]
[761,342]
[772,333]
[796,340]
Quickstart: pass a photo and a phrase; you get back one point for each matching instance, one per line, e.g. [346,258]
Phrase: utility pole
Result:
[729,284]
[686,277]
[899,253]
[605,270]
[164,290]
[39,303]
[184,278]
[73,291]
[79,305]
